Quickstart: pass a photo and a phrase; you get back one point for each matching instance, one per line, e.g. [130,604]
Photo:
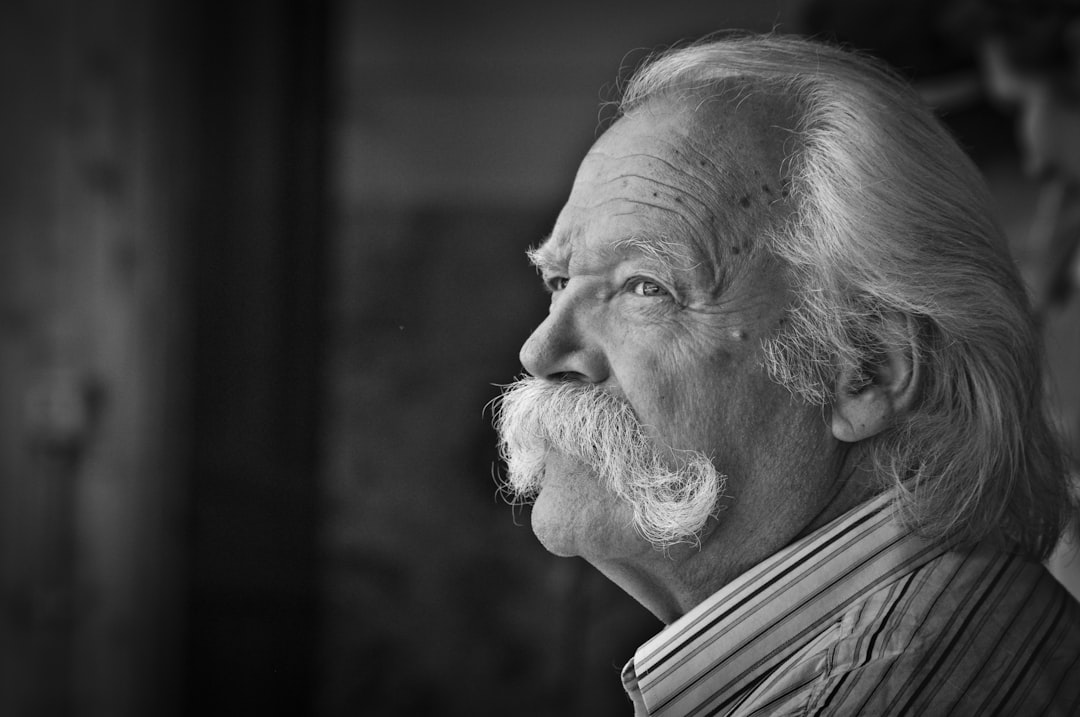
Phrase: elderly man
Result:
[787,396]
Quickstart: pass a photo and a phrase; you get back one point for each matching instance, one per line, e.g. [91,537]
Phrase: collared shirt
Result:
[863,617]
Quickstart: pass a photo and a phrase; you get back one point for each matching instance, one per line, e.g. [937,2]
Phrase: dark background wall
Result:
[262,268]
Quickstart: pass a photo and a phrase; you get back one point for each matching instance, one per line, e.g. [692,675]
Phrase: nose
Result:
[566,345]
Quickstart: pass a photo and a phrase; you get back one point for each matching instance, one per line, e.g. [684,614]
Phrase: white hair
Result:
[893,243]
[672,494]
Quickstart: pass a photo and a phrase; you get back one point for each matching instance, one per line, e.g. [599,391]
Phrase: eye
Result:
[645,287]
[556,283]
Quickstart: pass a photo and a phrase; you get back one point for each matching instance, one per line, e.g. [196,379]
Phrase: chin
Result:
[590,524]
[552,527]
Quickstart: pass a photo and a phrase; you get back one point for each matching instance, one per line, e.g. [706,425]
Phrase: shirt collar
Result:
[726,644]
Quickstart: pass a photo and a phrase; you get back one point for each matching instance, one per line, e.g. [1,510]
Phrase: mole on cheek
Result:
[744,202]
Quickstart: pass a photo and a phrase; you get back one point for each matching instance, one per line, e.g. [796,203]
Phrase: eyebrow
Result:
[541,256]
[671,256]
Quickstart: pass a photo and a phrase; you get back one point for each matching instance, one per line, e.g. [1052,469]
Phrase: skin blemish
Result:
[744,202]
[766,188]
[678,200]
[735,249]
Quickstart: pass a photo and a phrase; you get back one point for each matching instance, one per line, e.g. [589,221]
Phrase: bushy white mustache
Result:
[672,493]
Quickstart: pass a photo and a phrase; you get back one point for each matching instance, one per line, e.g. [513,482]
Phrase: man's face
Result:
[662,291]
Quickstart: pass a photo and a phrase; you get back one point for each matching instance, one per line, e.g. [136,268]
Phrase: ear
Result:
[867,398]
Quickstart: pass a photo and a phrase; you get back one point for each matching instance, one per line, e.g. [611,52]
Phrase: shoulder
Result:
[973,631]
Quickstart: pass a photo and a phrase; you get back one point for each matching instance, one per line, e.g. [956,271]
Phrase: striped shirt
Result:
[863,617]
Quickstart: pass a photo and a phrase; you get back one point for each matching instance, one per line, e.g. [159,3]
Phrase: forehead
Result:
[699,178]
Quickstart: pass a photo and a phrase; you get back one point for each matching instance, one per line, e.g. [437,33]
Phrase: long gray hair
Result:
[893,243]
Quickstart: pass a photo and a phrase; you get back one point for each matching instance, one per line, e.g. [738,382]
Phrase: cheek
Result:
[694,390]
[744,420]
[667,387]
[782,437]
[692,402]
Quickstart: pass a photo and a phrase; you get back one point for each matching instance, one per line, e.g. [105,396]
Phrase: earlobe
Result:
[867,401]
[858,416]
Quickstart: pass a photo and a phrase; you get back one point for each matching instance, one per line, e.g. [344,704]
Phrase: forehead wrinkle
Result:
[675,190]
[651,180]
[702,186]
[661,146]
[704,189]
[696,188]
[641,202]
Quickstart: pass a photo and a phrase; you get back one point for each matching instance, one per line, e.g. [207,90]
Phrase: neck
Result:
[660,591]
[670,583]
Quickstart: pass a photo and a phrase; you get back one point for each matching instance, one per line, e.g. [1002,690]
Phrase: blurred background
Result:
[262,267]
